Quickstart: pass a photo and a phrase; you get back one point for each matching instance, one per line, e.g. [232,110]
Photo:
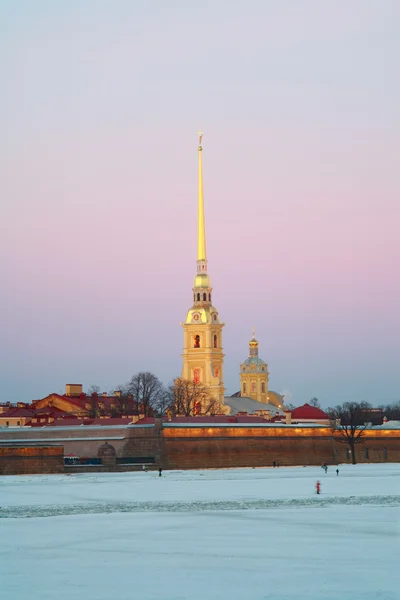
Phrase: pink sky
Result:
[98,166]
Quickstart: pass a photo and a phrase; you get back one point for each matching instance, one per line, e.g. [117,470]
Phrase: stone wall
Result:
[193,447]
[31,459]
[84,441]
[371,450]
[186,448]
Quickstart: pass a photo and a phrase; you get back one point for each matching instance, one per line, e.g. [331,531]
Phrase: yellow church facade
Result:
[254,375]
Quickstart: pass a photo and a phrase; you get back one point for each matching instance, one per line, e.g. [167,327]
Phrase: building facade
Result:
[254,375]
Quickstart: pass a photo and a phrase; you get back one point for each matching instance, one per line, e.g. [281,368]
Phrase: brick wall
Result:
[174,447]
[242,447]
[30,460]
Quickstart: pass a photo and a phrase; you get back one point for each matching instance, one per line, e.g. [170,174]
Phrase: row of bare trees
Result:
[145,394]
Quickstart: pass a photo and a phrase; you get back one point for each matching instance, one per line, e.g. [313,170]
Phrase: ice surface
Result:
[215,534]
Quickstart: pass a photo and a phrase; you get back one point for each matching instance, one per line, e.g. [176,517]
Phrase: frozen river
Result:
[215,534]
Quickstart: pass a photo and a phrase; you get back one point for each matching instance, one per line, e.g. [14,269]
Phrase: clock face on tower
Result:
[196,317]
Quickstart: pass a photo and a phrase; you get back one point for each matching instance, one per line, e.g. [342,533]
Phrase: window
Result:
[196,375]
[253,387]
[209,297]
[263,387]
[244,388]
[366,453]
[196,340]
[215,341]
[7,423]
[204,297]
[18,423]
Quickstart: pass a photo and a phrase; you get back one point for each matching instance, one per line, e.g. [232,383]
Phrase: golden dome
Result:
[202,280]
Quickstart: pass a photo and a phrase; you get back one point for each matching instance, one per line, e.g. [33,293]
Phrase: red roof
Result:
[309,412]
[68,422]
[73,400]
[17,412]
[51,411]
[207,419]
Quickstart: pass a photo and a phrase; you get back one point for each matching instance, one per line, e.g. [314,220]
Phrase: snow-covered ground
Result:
[215,534]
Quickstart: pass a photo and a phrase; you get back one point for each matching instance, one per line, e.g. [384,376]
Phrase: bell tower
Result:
[254,375]
[203,358]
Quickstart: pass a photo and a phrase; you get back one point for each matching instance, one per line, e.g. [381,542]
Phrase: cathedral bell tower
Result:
[203,359]
[254,375]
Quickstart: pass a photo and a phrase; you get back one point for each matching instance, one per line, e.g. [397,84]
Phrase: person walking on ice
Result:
[318,487]
[337,472]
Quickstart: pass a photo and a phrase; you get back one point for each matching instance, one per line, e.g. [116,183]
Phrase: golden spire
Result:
[253,343]
[201,232]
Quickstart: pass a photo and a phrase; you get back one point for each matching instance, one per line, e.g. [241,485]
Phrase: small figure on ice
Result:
[159,472]
[318,487]
[337,472]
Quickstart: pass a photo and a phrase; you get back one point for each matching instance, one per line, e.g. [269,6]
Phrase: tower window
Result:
[198,297]
[253,387]
[215,341]
[196,376]
[263,387]
[209,297]
[244,388]
[204,297]
[196,340]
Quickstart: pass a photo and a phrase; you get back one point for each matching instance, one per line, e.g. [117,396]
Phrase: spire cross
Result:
[254,332]
[200,134]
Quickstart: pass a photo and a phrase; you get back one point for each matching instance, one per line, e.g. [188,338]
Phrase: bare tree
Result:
[93,389]
[348,424]
[147,391]
[122,403]
[315,402]
[191,398]
[391,411]
[94,410]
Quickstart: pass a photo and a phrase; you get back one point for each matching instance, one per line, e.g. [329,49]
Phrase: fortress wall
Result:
[30,460]
[242,447]
[196,447]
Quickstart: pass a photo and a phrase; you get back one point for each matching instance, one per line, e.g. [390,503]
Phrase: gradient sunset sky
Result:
[99,108]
